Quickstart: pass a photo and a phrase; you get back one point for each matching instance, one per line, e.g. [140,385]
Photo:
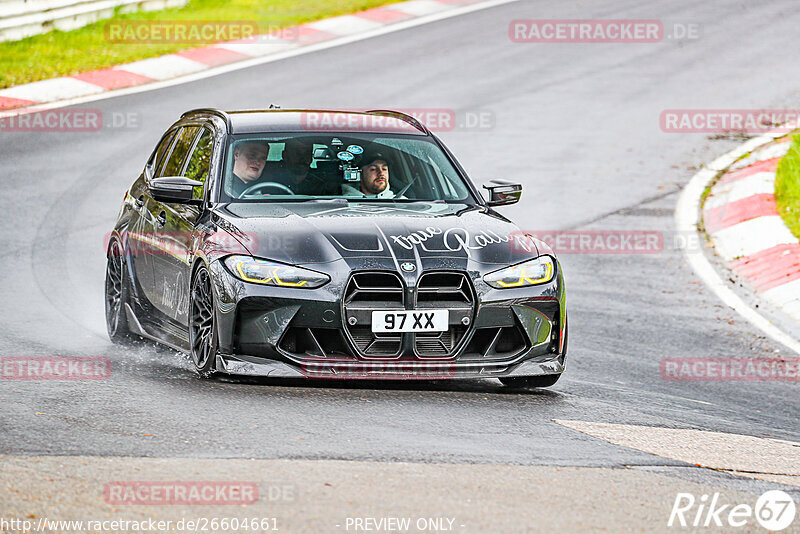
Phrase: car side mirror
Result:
[173,189]
[502,192]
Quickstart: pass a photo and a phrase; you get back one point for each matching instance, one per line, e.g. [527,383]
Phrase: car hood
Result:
[326,231]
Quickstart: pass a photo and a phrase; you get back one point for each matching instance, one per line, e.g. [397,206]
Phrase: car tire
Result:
[203,339]
[116,295]
[541,381]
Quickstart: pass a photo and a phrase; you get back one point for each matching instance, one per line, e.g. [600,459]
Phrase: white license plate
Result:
[410,321]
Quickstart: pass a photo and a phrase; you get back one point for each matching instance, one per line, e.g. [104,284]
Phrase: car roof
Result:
[314,120]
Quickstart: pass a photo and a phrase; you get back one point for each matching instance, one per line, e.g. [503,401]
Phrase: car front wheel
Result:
[202,324]
[116,295]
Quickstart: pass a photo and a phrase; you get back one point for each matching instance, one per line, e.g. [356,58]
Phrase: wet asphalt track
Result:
[577,124]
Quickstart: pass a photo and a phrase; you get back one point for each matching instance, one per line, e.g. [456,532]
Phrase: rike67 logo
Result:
[774,510]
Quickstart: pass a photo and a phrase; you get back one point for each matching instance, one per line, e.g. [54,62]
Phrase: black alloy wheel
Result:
[202,324]
[116,295]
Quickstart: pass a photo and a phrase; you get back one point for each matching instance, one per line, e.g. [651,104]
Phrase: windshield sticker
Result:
[345,156]
[355,149]
[352,174]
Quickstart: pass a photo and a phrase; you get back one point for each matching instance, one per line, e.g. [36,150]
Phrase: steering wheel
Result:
[264,185]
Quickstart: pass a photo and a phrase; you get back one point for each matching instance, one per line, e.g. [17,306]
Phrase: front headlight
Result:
[530,273]
[274,274]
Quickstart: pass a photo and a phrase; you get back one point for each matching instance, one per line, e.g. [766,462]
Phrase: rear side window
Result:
[179,151]
[200,161]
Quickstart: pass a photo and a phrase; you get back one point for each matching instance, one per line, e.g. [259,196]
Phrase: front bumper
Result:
[289,332]
[390,370]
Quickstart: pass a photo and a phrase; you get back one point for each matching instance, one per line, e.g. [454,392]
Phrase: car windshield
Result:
[353,166]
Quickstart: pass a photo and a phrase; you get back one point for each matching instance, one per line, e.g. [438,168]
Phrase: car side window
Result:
[200,161]
[179,151]
[161,152]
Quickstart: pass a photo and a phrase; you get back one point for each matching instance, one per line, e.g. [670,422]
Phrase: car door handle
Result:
[162,219]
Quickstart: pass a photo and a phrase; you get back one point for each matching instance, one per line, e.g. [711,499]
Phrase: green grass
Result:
[60,53]
[787,187]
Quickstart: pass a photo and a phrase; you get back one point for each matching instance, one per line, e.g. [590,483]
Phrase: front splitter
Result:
[388,370]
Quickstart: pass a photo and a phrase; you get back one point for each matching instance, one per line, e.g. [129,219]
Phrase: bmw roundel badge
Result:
[408,267]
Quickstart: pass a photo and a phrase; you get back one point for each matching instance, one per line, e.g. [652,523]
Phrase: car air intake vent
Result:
[374,288]
[501,343]
[315,343]
[376,345]
[444,289]
[367,292]
[452,291]
[439,344]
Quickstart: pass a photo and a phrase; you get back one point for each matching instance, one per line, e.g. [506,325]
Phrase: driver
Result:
[374,178]
[249,158]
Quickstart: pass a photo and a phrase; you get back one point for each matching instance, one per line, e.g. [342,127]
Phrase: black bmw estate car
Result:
[330,244]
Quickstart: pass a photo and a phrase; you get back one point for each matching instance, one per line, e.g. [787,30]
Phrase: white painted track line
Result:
[687,214]
[421,6]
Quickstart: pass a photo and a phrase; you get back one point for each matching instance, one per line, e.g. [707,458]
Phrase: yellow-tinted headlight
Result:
[530,273]
[271,273]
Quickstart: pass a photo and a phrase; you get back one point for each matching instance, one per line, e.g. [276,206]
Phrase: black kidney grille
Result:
[372,291]
[450,290]
[441,288]
[374,287]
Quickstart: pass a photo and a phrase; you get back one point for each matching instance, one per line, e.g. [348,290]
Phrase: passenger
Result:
[295,172]
[249,158]
[374,178]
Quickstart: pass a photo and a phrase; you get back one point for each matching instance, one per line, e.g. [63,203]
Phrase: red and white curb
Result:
[192,61]
[743,224]
[742,221]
